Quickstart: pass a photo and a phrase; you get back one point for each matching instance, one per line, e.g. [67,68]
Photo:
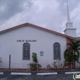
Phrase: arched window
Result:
[56,48]
[26,51]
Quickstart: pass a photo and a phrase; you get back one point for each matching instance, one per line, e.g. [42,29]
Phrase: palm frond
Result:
[72,53]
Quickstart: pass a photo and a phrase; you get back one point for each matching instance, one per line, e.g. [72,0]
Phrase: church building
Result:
[21,41]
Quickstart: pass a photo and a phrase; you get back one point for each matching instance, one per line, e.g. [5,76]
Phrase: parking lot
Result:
[35,76]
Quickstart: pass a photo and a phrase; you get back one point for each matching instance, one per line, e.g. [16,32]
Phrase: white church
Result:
[22,40]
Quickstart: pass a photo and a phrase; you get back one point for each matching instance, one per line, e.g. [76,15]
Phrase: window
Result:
[41,53]
[26,51]
[56,48]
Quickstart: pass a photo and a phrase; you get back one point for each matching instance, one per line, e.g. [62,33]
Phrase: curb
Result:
[71,72]
[18,73]
[1,73]
[54,73]
[38,73]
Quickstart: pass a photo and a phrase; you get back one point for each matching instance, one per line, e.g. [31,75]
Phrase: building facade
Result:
[18,43]
[21,41]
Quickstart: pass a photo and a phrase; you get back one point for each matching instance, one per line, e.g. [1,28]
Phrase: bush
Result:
[0,59]
[34,66]
[49,66]
[34,57]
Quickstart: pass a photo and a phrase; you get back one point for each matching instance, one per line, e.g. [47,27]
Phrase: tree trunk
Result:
[74,60]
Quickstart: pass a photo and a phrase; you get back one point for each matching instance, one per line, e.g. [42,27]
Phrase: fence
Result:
[37,67]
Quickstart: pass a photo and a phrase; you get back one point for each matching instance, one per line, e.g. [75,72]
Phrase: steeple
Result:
[68,15]
[69,25]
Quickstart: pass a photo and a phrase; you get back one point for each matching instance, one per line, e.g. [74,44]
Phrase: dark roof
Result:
[35,26]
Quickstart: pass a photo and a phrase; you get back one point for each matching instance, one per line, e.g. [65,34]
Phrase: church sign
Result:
[26,40]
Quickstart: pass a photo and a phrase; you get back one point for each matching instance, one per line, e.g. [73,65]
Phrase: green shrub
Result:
[35,65]
[34,57]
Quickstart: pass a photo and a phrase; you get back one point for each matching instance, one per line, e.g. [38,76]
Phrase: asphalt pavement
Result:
[34,76]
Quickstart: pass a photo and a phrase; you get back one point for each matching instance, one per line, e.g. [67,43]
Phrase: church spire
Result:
[68,15]
[69,25]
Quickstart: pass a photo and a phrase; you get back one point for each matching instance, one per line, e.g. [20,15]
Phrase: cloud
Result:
[75,16]
[9,8]
[40,12]
[47,13]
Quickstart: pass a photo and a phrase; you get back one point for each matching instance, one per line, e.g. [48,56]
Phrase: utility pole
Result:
[9,61]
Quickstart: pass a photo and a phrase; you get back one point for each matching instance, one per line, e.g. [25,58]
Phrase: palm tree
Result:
[72,53]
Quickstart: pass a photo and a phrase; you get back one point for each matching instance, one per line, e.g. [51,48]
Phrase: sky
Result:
[51,14]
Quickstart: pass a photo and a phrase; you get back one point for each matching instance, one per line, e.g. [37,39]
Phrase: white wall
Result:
[45,41]
[70,32]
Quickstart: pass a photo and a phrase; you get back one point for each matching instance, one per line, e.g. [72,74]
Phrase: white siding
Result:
[71,32]
[45,41]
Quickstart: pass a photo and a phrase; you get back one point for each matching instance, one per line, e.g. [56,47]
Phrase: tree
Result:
[34,65]
[72,54]
[34,57]
[0,59]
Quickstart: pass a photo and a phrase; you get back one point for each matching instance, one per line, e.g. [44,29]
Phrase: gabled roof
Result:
[35,26]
